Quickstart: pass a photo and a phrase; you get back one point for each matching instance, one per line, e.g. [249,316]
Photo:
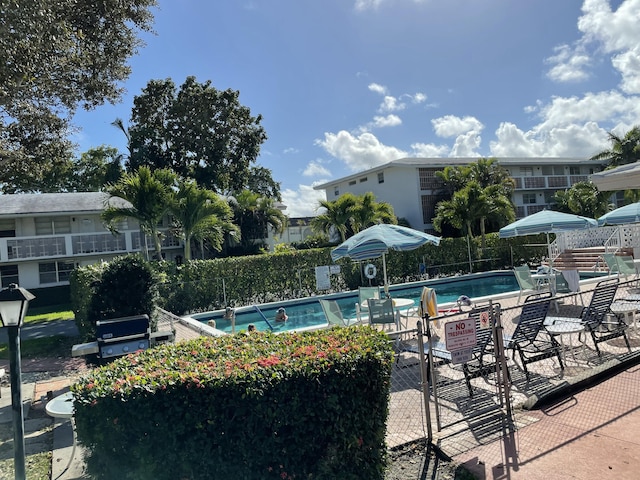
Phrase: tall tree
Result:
[96,168]
[200,214]
[197,131]
[623,150]
[336,215]
[367,212]
[149,194]
[583,198]
[61,54]
[254,214]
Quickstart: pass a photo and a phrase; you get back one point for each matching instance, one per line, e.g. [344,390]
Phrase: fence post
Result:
[425,380]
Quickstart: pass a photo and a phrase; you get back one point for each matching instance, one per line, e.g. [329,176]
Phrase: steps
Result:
[586,259]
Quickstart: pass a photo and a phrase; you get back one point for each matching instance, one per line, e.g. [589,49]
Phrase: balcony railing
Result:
[25,248]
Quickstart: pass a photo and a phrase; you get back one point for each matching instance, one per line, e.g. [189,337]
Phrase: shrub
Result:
[259,406]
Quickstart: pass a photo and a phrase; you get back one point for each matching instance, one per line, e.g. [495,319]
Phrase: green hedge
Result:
[308,405]
[199,286]
[204,285]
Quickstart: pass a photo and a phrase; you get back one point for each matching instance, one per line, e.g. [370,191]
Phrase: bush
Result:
[260,406]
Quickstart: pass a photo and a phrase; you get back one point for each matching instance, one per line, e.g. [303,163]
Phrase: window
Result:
[528,198]
[575,170]
[526,171]
[54,272]
[352,182]
[381,177]
[336,192]
[549,170]
[52,225]
[7,228]
[363,179]
[9,275]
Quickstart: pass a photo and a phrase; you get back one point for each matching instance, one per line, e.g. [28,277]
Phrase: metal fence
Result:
[443,409]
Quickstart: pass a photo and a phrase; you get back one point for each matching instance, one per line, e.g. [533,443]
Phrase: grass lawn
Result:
[57,346]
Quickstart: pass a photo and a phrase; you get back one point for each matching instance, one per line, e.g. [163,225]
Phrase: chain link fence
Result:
[459,419]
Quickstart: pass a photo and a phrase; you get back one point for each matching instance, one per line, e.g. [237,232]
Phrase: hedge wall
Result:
[308,405]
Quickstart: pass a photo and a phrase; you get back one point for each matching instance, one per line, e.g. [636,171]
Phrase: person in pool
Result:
[281,315]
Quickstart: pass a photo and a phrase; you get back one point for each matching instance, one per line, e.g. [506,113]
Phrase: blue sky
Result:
[345,85]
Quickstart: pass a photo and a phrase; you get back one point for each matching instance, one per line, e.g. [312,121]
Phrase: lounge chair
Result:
[626,266]
[568,281]
[530,340]
[526,282]
[334,315]
[483,360]
[597,318]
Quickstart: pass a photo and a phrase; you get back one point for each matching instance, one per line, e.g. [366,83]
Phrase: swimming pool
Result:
[306,313]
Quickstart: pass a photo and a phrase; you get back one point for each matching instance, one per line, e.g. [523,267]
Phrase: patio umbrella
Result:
[377,240]
[546,221]
[623,177]
[621,216]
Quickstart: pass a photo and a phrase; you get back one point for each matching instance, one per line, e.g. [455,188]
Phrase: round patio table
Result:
[566,330]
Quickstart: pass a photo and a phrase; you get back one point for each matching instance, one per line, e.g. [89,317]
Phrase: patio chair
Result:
[529,339]
[610,260]
[382,313]
[334,315]
[568,281]
[526,282]
[365,293]
[626,266]
[597,318]
[483,360]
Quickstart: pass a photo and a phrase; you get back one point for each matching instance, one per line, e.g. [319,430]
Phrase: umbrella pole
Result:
[384,272]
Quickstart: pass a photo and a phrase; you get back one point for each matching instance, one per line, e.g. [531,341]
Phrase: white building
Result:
[411,187]
[44,236]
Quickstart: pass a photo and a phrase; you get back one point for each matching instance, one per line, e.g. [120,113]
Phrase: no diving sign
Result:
[460,334]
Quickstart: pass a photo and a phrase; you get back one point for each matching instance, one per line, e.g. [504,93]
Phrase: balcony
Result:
[75,245]
[551,182]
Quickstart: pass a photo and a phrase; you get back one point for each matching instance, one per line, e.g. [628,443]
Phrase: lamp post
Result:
[14,302]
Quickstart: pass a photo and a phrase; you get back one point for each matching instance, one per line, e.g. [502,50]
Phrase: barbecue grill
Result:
[120,336]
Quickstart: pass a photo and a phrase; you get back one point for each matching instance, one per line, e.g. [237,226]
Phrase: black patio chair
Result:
[483,360]
[530,340]
[597,318]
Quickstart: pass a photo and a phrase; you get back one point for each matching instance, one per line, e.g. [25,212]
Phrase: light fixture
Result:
[14,302]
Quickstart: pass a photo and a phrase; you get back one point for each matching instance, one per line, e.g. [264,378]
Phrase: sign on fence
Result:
[460,334]
[323,279]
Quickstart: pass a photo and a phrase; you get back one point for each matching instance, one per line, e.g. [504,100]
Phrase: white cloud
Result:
[391,104]
[569,65]
[359,152]
[375,87]
[451,126]
[303,202]
[316,169]
[628,64]
[429,150]
[373,4]
[467,144]
[388,121]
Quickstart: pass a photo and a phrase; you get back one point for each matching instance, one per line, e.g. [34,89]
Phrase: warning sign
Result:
[461,356]
[460,334]
[484,320]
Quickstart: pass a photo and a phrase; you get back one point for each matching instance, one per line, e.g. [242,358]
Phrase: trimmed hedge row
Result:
[308,405]
[199,286]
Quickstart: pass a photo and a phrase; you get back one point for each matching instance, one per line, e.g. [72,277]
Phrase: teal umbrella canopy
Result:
[622,216]
[377,240]
[546,221]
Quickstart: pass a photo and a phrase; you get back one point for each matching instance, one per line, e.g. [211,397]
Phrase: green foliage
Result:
[197,131]
[260,406]
[59,54]
[125,286]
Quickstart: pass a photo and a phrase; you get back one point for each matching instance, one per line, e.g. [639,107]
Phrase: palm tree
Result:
[149,194]
[201,215]
[254,214]
[583,198]
[367,212]
[337,215]
[623,149]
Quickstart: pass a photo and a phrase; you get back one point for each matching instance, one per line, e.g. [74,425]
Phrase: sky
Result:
[346,85]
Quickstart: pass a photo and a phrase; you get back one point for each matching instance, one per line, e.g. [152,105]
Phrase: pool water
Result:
[307,313]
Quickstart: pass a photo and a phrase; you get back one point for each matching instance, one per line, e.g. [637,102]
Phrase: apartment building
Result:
[411,186]
[43,237]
